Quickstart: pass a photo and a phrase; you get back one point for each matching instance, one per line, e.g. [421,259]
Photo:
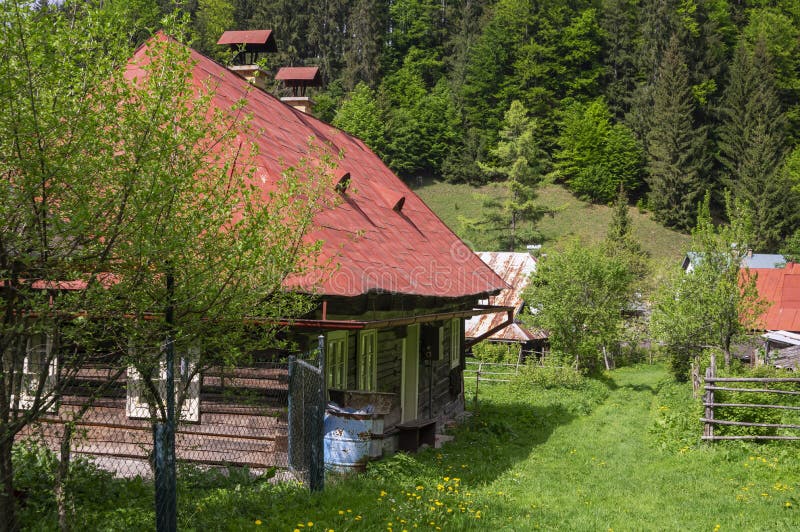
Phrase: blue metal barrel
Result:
[347,441]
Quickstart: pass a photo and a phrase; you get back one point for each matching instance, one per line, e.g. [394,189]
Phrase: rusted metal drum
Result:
[347,441]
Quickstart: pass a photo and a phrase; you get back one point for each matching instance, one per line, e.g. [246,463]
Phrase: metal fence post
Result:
[317,465]
[291,436]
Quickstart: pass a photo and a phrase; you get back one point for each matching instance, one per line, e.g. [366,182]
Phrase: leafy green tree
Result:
[512,219]
[361,116]
[579,296]
[752,147]
[212,18]
[113,186]
[676,146]
[713,304]
[596,158]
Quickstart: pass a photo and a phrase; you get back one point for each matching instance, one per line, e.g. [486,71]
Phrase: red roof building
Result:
[780,287]
[392,308]
[382,236]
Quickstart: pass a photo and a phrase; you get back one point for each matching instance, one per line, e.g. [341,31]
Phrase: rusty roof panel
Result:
[409,250]
[781,289]
[298,74]
[515,269]
[253,37]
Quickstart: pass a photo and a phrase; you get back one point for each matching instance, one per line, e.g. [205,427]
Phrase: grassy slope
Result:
[574,218]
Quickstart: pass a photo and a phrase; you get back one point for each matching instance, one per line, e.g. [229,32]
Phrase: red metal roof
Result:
[515,269]
[376,247]
[781,289]
[245,37]
[298,74]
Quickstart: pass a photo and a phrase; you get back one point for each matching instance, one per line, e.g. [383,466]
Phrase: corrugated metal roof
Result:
[298,74]
[781,289]
[515,269]
[764,260]
[376,246]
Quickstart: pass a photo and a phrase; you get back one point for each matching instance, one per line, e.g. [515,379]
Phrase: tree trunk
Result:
[8,516]
[62,477]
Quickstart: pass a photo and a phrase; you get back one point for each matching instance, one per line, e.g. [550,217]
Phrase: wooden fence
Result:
[713,410]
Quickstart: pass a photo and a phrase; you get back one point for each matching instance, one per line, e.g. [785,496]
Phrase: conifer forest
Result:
[664,98]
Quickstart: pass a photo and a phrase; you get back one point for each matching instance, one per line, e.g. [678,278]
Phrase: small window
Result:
[368,360]
[455,342]
[336,359]
[40,362]
[186,391]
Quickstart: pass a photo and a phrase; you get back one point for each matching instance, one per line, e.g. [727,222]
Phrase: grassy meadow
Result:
[617,453]
[572,218]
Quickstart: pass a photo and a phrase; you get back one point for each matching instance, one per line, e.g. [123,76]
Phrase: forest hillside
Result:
[664,98]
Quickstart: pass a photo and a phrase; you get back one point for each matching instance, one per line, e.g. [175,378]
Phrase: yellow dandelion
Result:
[258,522]
[341,512]
[788,504]
[310,524]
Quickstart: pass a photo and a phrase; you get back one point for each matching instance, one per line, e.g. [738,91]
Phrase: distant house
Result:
[780,287]
[515,269]
[762,261]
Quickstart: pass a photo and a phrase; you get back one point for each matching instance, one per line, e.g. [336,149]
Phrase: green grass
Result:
[573,218]
[621,452]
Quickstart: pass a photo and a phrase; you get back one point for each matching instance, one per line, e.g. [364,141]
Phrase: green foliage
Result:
[752,146]
[361,116]
[621,241]
[579,295]
[675,413]
[755,414]
[518,159]
[212,19]
[711,305]
[496,352]
[595,157]
[676,146]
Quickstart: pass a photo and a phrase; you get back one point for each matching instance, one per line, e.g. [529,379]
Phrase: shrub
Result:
[496,352]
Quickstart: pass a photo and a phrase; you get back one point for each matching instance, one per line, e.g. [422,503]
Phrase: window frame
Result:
[367,363]
[336,338]
[455,343]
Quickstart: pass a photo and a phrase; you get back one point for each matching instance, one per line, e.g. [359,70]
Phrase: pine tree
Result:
[363,45]
[620,240]
[678,161]
[752,146]
[618,21]
[518,157]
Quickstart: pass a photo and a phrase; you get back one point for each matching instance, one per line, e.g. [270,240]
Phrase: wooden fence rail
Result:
[711,417]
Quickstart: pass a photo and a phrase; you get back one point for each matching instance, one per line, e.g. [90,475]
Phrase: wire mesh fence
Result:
[230,417]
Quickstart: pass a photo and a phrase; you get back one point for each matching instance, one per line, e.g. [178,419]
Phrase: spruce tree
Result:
[677,158]
[620,240]
[512,219]
[752,146]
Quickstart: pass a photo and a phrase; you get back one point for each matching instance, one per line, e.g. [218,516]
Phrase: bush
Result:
[496,352]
